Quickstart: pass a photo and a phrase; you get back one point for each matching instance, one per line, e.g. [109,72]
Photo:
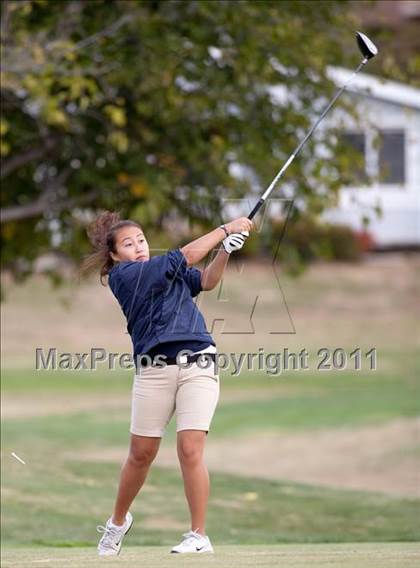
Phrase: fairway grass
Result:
[390,555]
[59,496]
[58,504]
[71,429]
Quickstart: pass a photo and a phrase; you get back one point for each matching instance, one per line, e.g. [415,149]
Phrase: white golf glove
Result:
[235,241]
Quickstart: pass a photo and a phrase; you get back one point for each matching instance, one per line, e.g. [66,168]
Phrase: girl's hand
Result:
[239,225]
[234,242]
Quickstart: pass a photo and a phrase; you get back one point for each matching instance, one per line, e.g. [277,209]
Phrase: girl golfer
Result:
[155,295]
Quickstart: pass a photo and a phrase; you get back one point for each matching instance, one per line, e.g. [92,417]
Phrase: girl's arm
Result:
[199,248]
[212,275]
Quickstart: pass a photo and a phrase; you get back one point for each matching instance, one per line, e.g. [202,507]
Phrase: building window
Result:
[391,156]
[356,141]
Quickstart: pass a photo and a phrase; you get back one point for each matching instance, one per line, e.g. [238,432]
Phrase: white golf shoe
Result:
[193,542]
[111,540]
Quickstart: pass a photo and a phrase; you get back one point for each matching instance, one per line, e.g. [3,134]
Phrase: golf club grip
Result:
[256,208]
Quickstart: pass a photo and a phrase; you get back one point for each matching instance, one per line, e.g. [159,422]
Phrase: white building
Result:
[388,134]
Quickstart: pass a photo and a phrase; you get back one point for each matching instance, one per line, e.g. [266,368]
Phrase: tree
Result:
[145,106]
[394,25]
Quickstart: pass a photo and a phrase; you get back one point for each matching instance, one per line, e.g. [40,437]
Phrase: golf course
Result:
[210,283]
[308,467]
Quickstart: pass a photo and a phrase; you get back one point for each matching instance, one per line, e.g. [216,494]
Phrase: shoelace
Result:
[190,536]
[109,534]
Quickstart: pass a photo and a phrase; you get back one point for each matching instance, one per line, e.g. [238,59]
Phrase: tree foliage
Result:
[395,29]
[145,107]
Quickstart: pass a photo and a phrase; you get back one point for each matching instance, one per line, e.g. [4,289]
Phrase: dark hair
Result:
[102,234]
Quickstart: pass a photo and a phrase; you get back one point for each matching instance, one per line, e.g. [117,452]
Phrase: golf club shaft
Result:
[303,142]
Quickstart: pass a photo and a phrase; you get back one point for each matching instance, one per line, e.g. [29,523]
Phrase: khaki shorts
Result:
[191,393]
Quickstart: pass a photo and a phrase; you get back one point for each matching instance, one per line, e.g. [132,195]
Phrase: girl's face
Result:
[130,245]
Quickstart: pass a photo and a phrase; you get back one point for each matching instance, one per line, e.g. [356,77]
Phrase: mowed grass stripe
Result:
[401,366]
[375,555]
[53,503]
[323,406]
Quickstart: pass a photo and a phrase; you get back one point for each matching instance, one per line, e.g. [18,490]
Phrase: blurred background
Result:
[178,115]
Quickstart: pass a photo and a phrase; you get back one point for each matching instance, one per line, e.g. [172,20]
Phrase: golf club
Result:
[368,50]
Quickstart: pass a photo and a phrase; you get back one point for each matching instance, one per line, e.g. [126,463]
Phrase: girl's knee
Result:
[142,454]
[190,451]
[141,459]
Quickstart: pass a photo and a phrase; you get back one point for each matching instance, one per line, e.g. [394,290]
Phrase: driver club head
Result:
[366,46]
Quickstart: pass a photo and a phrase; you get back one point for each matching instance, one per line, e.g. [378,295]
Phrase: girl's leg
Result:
[190,446]
[143,450]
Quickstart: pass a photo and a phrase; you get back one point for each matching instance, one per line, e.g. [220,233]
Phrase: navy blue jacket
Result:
[156,298]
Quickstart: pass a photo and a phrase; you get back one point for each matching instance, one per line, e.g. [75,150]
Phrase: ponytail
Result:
[102,234]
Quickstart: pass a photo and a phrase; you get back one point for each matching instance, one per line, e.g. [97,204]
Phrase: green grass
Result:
[340,401]
[28,380]
[52,504]
[402,366]
[58,503]
[355,403]
[377,555]
[292,402]
[53,501]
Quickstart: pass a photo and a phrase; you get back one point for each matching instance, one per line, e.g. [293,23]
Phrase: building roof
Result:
[376,87]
